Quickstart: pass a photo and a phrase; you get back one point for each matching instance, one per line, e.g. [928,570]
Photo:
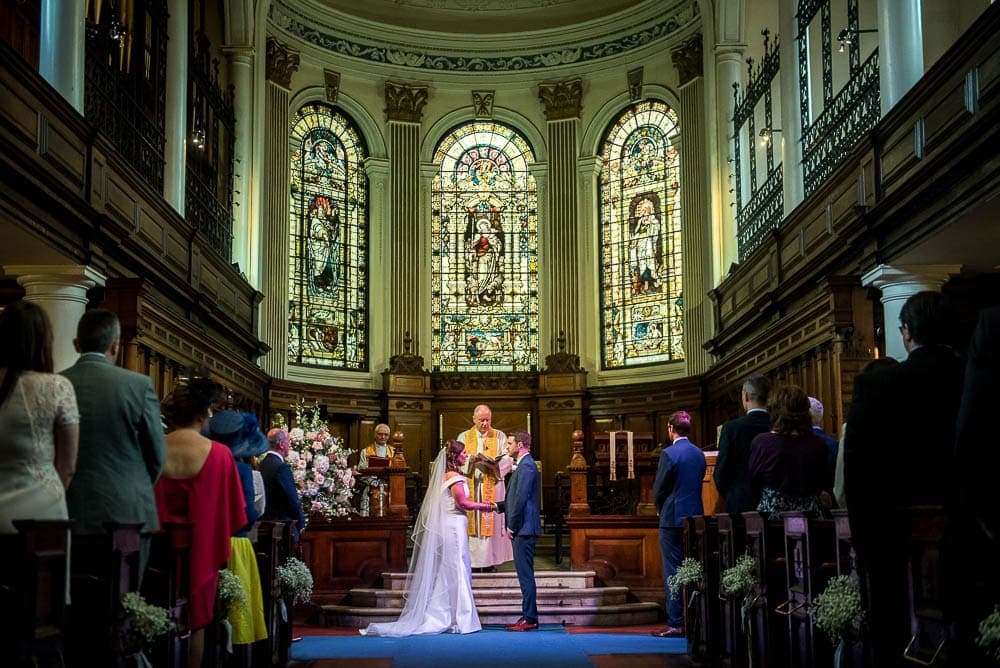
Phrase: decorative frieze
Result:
[332,81]
[562,99]
[404,102]
[687,58]
[517,380]
[282,63]
[482,103]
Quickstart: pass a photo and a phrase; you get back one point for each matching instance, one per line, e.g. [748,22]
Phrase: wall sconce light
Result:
[848,35]
[765,135]
[116,31]
[198,138]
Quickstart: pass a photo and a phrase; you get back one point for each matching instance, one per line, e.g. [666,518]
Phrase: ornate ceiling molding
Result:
[555,48]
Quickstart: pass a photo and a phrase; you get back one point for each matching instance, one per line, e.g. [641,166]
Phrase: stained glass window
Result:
[328,248]
[642,308]
[484,251]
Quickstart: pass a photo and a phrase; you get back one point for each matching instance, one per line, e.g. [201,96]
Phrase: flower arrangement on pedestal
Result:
[319,465]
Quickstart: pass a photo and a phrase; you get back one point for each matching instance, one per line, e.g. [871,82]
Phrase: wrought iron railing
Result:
[761,209]
[852,113]
[207,214]
[125,79]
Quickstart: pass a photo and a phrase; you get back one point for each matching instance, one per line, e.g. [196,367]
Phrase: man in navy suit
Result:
[677,494]
[281,497]
[524,526]
[732,468]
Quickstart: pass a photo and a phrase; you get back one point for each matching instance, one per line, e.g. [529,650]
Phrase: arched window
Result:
[642,310]
[328,242]
[484,300]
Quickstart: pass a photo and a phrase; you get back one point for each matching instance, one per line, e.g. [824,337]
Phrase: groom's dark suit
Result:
[521,509]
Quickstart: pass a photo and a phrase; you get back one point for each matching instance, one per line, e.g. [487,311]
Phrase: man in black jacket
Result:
[281,497]
[898,452]
[732,468]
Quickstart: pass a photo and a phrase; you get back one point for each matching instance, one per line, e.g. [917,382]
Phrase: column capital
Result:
[687,58]
[404,102]
[37,276]
[239,54]
[901,281]
[282,63]
[562,99]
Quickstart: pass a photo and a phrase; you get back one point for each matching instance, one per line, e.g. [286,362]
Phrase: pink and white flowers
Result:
[319,465]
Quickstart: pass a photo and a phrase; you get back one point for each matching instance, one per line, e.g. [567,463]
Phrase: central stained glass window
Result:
[328,249]
[484,251]
[642,309]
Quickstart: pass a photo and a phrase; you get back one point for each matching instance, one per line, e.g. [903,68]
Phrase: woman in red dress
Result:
[200,485]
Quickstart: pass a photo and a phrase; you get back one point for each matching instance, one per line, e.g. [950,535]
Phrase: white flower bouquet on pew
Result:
[989,634]
[142,623]
[689,574]
[837,610]
[295,580]
[230,592]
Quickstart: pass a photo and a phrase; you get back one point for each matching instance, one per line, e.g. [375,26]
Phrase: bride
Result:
[439,582]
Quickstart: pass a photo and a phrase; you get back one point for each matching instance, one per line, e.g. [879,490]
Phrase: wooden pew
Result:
[701,613]
[272,545]
[810,562]
[765,543]
[104,568]
[933,631]
[732,534]
[33,592]
[167,583]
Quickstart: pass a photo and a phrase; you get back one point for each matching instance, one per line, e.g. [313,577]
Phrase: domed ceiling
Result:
[476,36]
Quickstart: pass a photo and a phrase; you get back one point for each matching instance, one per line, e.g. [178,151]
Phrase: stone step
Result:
[625,614]
[508,580]
[547,597]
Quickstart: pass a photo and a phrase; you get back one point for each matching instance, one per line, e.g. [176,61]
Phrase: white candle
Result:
[611,456]
[631,457]
[441,427]
[527,422]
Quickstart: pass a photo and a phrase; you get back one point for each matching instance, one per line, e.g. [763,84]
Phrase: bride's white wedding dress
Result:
[439,583]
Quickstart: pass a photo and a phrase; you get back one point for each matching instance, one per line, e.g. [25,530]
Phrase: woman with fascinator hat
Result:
[241,433]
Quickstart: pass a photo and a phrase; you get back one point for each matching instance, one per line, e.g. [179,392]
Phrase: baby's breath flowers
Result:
[295,581]
[741,579]
[688,573]
[989,634]
[143,623]
[837,610]
[230,590]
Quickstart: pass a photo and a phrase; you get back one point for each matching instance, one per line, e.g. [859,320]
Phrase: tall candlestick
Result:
[611,456]
[631,458]
[441,427]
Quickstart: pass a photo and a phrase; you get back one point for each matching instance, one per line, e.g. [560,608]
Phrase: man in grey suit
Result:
[122,449]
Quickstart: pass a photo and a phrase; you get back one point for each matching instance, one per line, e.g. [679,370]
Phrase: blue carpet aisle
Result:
[550,645]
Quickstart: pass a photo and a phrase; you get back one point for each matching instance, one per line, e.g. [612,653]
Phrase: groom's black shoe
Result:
[523,625]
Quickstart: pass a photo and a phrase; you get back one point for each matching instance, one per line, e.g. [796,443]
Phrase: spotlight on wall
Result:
[198,138]
[849,35]
[765,135]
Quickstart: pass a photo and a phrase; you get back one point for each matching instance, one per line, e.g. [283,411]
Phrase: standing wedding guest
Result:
[677,494]
[240,432]
[200,485]
[524,526]
[486,469]
[280,492]
[788,465]
[439,581]
[732,468]
[38,421]
[122,448]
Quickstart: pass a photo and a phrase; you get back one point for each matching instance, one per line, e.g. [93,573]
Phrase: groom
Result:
[523,526]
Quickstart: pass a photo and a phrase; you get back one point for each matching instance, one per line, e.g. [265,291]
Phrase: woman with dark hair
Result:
[439,582]
[200,485]
[39,421]
[788,465]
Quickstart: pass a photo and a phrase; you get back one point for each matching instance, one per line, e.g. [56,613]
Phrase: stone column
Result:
[241,77]
[382,257]
[897,284]
[176,122]
[404,105]
[790,119]
[61,291]
[563,104]
[282,63]
[900,49]
[61,52]
[588,178]
[696,221]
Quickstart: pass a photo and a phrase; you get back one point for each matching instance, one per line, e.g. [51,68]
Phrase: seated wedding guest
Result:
[38,421]
[788,465]
[121,439]
[282,495]
[200,485]
[241,433]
